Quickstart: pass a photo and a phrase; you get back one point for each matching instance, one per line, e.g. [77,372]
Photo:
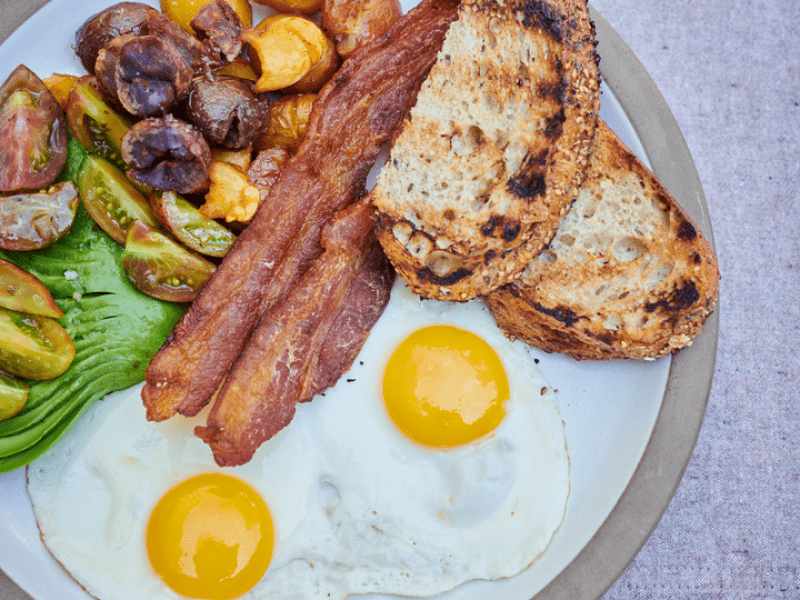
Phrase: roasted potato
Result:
[290,51]
[288,120]
[353,23]
[240,68]
[231,196]
[183,11]
[307,7]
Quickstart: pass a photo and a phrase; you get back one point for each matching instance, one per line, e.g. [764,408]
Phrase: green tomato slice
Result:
[24,292]
[197,232]
[97,126]
[13,396]
[111,198]
[162,268]
[33,346]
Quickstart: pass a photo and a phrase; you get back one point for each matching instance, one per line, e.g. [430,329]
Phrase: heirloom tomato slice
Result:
[183,220]
[97,126]
[33,346]
[24,292]
[111,198]
[13,395]
[33,220]
[33,133]
[162,268]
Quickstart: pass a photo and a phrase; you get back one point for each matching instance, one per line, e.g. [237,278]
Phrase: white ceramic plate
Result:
[630,426]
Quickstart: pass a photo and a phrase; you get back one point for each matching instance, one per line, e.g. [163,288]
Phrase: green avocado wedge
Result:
[115,328]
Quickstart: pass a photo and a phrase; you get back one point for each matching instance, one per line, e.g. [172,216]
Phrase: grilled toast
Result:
[627,275]
[492,154]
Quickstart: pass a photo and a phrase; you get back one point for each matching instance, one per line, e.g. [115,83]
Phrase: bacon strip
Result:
[281,363]
[353,115]
[364,304]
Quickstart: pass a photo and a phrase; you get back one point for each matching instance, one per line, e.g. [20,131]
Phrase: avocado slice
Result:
[116,330]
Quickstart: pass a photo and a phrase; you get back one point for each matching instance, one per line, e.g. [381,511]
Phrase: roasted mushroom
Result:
[167,154]
[218,28]
[146,74]
[226,110]
[99,29]
[161,26]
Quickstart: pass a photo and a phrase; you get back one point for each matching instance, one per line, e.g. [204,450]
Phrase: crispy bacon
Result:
[283,362]
[365,302]
[353,115]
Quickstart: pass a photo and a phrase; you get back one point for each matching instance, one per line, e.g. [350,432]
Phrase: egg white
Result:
[357,507]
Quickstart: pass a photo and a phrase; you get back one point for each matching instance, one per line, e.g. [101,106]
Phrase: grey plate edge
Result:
[648,494]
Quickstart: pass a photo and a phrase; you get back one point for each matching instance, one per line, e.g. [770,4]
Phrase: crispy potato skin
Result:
[353,23]
[356,112]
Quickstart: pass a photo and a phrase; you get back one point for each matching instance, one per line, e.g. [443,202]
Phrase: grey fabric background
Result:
[730,71]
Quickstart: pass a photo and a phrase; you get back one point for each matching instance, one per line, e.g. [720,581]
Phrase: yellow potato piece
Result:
[231,196]
[288,121]
[240,68]
[285,48]
[238,158]
[183,11]
[308,7]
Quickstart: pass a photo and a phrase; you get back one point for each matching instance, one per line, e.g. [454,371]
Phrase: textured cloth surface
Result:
[730,72]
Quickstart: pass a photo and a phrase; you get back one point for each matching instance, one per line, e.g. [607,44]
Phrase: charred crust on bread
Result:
[536,13]
[679,299]
[426,274]
[529,182]
[626,261]
[686,231]
[508,230]
[555,125]
[495,147]
[560,313]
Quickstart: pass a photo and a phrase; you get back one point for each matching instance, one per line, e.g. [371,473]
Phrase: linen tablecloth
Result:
[730,72]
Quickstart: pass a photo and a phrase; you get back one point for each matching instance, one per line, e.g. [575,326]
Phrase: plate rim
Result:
[665,459]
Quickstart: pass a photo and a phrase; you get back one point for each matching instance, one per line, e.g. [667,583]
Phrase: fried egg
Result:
[438,459]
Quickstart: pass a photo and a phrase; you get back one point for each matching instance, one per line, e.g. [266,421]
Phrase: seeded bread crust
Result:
[628,275]
[495,148]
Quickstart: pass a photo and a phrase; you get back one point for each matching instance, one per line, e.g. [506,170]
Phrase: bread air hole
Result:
[612,322]
[420,245]
[628,249]
[463,143]
[663,271]
[443,264]
[548,257]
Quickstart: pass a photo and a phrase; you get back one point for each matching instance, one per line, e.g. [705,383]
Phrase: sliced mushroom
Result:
[146,74]
[218,28]
[99,29]
[167,154]
[227,110]
[161,26]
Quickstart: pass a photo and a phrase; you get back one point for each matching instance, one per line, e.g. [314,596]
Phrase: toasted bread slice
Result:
[628,275]
[492,154]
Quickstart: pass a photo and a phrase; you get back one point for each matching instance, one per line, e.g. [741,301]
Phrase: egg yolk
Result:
[445,387]
[210,536]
